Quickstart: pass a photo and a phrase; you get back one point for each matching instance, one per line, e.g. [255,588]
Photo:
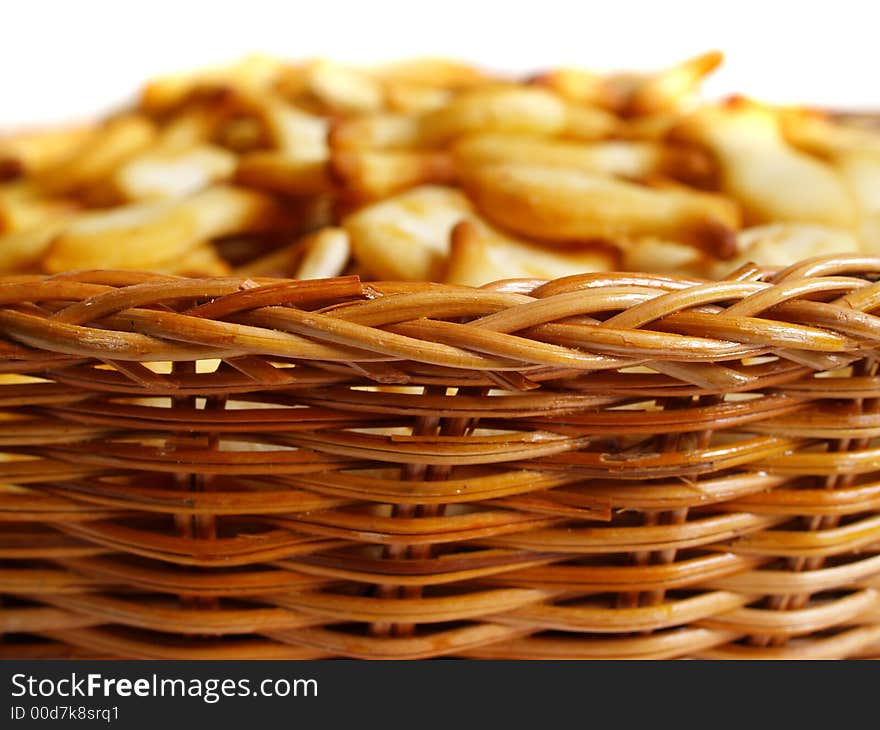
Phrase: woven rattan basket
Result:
[603,466]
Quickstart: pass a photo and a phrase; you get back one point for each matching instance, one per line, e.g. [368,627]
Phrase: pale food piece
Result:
[782,244]
[406,237]
[509,108]
[861,171]
[410,98]
[24,249]
[298,162]
[146,234]
[283,173]
[855,154]
[665,257]
[23,205]
[377,131]
[325,254]
[480,254]
[344,90]
[173,173]
[379,173]
[289,129]
[103,151]
[439,73]
[772,180]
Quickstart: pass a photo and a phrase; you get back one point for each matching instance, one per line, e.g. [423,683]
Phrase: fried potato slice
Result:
[284,173]
[297,164]
[480,254]
[288,128]
[406,237]
[173,173]
[589,123]
[241,134]
[423,85]
[135,236]
[854,152]
[496,108]
[23,205]
[782,244]
[344,90]
[499,109]
[669,88]
[578,85]
[91,163]
[564,205]
[633,93]
[772,180]
[163,94]
[441,73]
[22,250]
[426,84]
[636,160]
[194,125]
[815,132]
[31,152]
[861,172]
[147,234]
[409,98]
[377,131]
[378,173]
[225,209]
[325,253]
[652,127]
[656,256]
[203,260]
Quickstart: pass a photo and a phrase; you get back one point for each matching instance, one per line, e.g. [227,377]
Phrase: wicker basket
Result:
[603,466]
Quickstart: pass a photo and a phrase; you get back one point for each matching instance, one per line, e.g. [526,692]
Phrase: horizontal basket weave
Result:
[603,466]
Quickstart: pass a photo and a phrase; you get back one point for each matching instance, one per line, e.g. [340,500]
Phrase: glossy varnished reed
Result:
[603,466]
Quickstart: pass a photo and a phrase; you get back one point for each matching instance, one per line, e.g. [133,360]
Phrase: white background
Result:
[73,58]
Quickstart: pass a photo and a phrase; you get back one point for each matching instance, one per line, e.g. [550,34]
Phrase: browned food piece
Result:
[147,234]
[379,173]
[564,206]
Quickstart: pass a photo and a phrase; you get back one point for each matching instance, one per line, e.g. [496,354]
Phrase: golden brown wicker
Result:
[603,466]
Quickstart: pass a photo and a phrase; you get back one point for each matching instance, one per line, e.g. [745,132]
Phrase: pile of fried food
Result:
[434,170]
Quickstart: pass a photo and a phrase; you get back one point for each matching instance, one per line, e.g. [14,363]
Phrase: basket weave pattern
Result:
[603,466]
